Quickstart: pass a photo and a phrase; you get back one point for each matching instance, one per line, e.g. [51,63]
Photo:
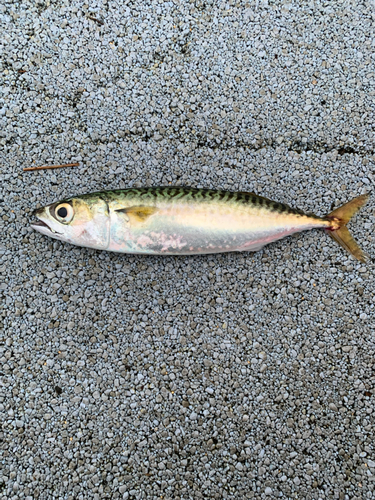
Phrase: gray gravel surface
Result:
[229,376]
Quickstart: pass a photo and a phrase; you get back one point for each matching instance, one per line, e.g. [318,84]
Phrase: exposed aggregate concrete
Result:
[228,376]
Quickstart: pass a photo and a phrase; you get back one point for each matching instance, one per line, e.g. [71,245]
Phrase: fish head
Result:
[82,221]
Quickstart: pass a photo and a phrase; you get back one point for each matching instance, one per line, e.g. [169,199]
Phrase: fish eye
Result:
[64,213]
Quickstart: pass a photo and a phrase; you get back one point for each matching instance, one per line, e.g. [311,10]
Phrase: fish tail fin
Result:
[340,233]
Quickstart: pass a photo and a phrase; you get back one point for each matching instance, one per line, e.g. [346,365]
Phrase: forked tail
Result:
[339,232]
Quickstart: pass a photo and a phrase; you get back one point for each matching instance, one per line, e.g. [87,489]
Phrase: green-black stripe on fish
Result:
[185,221]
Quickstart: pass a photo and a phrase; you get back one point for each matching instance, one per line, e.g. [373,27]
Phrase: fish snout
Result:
[37,212]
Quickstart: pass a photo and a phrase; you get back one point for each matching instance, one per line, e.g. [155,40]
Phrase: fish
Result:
[178,220]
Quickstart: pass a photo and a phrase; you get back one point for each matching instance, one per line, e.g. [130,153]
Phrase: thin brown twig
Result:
[46,167]
[96,20]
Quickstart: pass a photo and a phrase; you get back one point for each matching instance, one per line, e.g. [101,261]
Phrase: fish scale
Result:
[175,220]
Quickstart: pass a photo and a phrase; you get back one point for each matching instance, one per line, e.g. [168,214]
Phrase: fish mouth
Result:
[41,226]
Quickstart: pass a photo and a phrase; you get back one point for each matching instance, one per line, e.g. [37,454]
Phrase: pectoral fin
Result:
[138,214]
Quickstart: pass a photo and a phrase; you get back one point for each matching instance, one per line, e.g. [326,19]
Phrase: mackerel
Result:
[185,221]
